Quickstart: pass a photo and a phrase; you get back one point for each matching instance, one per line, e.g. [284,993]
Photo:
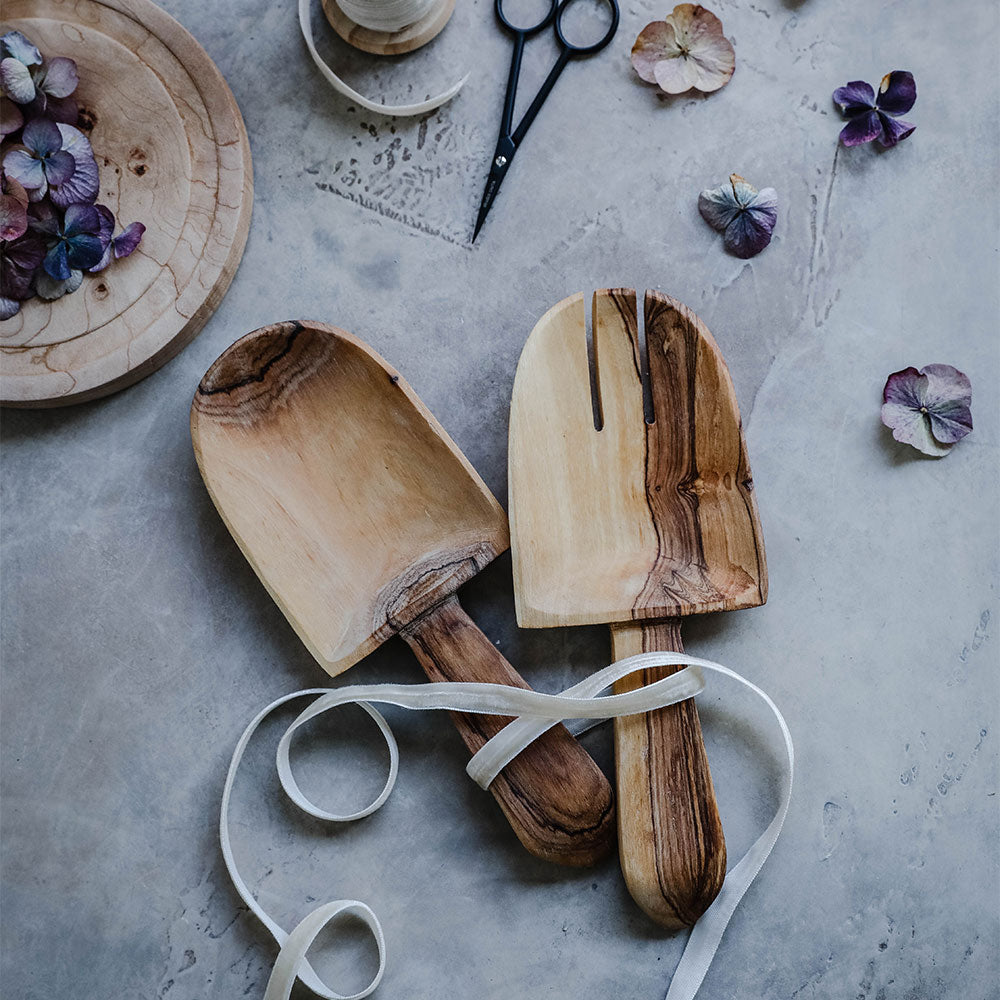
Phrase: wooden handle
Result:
[673,853]
[555,797]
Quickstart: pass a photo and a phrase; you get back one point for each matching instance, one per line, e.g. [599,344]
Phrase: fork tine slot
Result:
[617,360]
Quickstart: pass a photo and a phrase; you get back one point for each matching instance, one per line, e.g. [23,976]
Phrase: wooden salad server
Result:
[362,518]
[637,524]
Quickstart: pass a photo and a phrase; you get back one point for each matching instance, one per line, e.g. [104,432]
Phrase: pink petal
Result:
[715,61]
[655,43]
[677,75]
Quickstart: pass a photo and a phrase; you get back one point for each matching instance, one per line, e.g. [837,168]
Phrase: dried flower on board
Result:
[686,49]
[743,214]
[51,230]
[929,409]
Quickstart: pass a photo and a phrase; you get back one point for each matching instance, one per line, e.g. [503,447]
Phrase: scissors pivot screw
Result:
[501,161]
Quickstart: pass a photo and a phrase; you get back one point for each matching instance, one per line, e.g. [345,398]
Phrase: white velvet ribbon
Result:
[536,712]
[397,110]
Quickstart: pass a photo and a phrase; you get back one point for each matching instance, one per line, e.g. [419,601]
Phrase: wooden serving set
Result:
[362,518]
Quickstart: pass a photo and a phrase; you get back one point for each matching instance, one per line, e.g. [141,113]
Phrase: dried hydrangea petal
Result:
[11,118]
[854,98]
[16,80]
[13,43]
[751,231]
[26,169]
[58,77]
[51,288]
[861,129]
[8,307]
[84,183]
[897,92]
[13,217]
[18,262]
[718,206]
[687,49]
[42,137]
[655,41]
[62,110]
[929,409]
[893,130]
[948,399]
[126,241]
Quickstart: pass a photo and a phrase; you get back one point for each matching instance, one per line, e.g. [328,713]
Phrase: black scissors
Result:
[508,143]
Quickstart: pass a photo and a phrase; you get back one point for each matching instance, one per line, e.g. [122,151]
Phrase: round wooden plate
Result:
[173,154]
[389,43]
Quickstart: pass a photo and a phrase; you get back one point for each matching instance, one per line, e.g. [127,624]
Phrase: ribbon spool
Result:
[388,27]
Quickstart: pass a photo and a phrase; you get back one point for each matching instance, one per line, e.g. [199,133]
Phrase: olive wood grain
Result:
[173,153]
[362,518]
[637,522]
[549,791]
[675,863]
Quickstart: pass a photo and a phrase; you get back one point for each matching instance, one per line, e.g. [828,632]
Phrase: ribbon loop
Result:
[534,713]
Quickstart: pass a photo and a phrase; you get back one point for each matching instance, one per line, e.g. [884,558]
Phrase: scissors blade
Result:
[498,171]
[489,194]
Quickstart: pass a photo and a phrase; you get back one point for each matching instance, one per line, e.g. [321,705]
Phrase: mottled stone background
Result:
[137,642]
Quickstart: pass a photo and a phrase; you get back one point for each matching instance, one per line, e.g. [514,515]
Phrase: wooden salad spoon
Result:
[362,518]
[637,524]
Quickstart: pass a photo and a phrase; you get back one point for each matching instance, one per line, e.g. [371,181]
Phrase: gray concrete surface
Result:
[137,642]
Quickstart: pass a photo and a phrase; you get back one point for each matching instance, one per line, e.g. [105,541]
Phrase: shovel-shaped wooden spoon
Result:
[637,524]
[362,518]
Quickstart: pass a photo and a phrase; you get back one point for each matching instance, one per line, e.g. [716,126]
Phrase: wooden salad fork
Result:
[637,524]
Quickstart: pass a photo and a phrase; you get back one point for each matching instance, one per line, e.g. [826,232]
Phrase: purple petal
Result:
[13,218]
[911,427]
[81,218]
[861,129]
[55,262]
[749,233]
[8,307]
[25,169]
[128,239]
[107,224]
[42,137]
[11,118]
[18,262]
[897,92]
[104,261]
[854,99]
[13,43]
[948,400]
[905,388]
[85,182]
[718,206]
[58,77]
[16,80]
[62,110]
[894,130]
[84,251]
[59,167]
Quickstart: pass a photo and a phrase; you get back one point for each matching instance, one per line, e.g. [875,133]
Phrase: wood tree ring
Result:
[173,153]
[389,43]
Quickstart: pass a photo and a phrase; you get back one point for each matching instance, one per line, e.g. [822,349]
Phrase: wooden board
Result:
[389,43]
[173,154]
[635,521]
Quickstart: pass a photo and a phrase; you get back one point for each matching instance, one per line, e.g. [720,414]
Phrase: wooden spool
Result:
[173,154]
[389,43]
